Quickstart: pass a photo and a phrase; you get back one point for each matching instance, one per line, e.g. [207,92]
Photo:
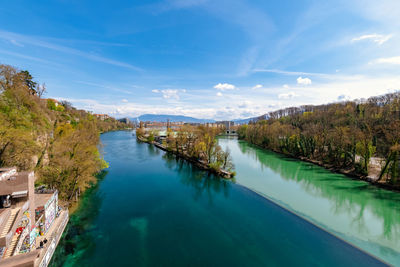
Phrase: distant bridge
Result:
[230,133]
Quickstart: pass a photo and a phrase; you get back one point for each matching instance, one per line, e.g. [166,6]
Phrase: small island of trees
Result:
[197,144]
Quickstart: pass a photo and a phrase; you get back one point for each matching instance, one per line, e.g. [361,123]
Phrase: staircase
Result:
[11,247]
[10,222]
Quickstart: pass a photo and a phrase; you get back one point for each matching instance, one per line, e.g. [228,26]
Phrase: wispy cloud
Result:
[285,72]
[387,60]
[334,76]
[258,86]
[376,38]
[255,23]
[178,4]
[245,104]
[287,95]
[16,43]
[40,42]
[383,11]
[241,104]
[169,93]
[5,52]
[105,87]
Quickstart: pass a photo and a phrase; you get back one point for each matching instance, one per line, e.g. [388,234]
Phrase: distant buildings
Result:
[125,120]
[155,125]
[160,125]
[102,116]
[226,124]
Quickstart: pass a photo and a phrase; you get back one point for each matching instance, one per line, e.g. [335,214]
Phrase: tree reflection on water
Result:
[348,196]
[201,181]
[78,236]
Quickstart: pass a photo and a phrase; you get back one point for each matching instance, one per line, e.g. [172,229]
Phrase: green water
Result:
[356,211]
[151,209]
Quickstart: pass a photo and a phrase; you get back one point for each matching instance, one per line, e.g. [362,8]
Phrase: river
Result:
[151,209]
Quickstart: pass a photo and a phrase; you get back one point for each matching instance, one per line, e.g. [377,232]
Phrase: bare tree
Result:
[41,90]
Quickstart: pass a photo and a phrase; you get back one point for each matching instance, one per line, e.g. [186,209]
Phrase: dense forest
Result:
[59,142]
[195,142]
[360,137]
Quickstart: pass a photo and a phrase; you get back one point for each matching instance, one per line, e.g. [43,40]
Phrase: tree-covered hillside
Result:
[53,138]
[361,137]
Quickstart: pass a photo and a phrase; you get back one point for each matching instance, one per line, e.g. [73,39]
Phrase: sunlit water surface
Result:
[151,209]
[362,214]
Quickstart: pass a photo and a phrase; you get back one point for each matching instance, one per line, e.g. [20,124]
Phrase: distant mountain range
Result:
[171,118]
[180,118]
[242,121]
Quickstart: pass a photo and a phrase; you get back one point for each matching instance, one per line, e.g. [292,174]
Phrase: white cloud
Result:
[304,81]
[224,86]
[125,100]
[219,94]
[376,38]
[258,86]
[289,95]
[343,97]
[286,86]
[245,104]
[387,60]
[170,93]
[207,105]
[386,12]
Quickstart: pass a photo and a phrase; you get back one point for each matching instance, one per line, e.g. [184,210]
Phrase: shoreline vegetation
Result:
[196,144]
[359,139]
[331,168]
[53,138]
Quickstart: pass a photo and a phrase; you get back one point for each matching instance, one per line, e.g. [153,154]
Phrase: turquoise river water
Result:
[151,209]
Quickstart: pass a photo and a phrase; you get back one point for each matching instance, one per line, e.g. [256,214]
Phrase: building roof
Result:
[41,199]
[6,169]
[15,183]
[7,172]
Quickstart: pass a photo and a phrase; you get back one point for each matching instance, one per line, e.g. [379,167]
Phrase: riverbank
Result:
[202,165]
[350,174]
[347,172]
[204,218]
[355,210]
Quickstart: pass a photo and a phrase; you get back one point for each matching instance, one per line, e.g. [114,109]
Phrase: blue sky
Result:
[220,59]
